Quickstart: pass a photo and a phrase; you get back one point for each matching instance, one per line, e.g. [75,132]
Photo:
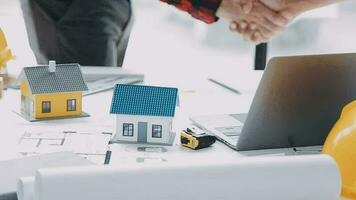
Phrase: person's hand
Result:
[247,30]
[293,8]
[234,9]
[289,9]
[257,21]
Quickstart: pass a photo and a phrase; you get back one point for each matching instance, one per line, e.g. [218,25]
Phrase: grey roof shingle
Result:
[67,78]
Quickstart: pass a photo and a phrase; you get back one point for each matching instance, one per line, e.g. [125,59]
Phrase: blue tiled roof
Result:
[144,100]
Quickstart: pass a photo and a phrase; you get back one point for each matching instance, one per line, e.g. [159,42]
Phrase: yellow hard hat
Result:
[5,52]
[341,145]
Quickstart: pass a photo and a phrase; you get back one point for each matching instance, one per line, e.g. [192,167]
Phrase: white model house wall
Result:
[27,105]
[165,122]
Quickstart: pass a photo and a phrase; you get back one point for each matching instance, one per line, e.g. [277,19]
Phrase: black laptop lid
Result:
[298,101]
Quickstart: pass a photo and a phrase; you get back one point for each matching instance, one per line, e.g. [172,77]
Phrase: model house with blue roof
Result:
[144,114]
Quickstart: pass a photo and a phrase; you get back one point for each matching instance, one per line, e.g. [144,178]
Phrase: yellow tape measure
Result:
[194,138]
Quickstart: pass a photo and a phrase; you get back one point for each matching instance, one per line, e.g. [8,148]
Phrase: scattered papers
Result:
[92,146]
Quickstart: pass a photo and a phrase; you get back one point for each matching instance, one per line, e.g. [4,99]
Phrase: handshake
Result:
[260,20]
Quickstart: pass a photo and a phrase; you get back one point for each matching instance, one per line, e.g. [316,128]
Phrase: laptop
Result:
[100,79]
[297,102]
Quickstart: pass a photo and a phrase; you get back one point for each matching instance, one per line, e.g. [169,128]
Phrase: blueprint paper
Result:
[313,177]
[92,146]
[25,188]
[12,170]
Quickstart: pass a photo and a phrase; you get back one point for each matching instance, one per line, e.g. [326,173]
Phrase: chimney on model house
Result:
[52,66]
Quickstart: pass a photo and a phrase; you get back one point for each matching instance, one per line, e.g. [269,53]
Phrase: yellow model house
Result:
[5,53]
[53,91]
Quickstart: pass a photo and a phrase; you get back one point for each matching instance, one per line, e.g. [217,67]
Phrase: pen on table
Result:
[309,151]
[224,86]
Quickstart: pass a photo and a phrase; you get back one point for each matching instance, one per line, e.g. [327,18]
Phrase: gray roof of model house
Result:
[66,78]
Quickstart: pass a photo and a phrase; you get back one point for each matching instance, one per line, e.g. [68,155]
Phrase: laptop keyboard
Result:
[230,131]
[234,138]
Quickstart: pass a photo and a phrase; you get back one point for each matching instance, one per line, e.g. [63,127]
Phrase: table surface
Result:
[202,98]
[199,98]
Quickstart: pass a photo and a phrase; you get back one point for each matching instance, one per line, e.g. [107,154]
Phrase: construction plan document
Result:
[90,145]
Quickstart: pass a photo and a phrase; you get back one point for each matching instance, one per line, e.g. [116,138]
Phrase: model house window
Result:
[71,105]
[128,129]
[46,106]
[156,131]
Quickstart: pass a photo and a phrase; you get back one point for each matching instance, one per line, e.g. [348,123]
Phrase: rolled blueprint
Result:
[271,178]
[25,188]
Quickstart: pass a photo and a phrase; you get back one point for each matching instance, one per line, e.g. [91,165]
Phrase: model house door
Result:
[142,132]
